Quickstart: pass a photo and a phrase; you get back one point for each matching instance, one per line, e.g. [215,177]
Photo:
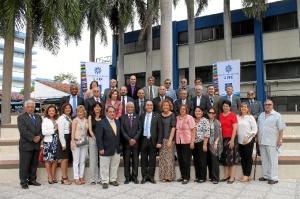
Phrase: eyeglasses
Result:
[168,82]
[250,93]
[96,91]
[183,81]
[211,112]
[268,104]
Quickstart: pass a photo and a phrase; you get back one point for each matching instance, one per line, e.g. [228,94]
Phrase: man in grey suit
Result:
[214,100]
[169,91]
[192,91]
[255,106]
[29,125]
[113,85]
[235,101]
[183,86]
[151,91]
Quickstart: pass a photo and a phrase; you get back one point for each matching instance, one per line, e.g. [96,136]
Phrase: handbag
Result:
[81,139]
[41,155]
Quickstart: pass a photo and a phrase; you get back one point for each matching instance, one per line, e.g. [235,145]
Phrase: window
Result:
[248,73]
[183,38]
[236,29]
[286,21]
[283,70]
[156,43]
[129,48]
[1,51]
[247,27]
[19,40]
[140,47]
[207,34]
[280,22]
[270,24]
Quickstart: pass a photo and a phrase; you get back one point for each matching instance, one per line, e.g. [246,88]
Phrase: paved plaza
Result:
[285,189]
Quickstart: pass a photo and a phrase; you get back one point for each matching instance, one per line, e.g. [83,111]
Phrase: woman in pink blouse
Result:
[185,138]
[113,101]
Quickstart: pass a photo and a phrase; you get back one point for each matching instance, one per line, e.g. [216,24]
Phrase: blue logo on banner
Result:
[228,68]
[97,70]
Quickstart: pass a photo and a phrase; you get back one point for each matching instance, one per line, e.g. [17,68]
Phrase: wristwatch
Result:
[216,142]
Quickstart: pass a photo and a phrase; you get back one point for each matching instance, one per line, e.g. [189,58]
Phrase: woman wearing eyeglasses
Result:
[230,155]
[215,146]
[247,129]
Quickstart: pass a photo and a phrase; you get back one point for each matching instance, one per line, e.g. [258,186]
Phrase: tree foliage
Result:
[255,8]
[62,76]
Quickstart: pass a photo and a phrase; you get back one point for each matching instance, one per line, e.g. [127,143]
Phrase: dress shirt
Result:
[145,126]
[183,101]
[229,97]
[113,121]
[198,100]
[246,125]
[98,99]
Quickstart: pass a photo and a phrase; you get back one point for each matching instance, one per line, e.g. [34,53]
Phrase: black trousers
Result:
[246,152]
[133,154]
[28,166]
[184,158]
[148,158]
[213,167]
[200,161]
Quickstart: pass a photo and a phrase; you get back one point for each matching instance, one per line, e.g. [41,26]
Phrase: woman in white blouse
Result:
[49,130]
[63,149]
[247,129]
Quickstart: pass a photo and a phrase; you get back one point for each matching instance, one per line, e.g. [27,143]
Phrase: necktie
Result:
[147,129]
[229,98]
[123,105]
[168,92]
[211,101]
[151,93]
[97,99]
[33,119]
[162,98]
[113,126]
[130,120]
[251,105]
[141,108]
[74,105]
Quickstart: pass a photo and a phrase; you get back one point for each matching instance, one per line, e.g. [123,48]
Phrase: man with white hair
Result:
[29,125]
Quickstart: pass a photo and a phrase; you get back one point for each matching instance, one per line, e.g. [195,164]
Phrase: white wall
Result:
[42,91]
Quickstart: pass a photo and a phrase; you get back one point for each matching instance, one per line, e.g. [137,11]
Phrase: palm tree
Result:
[166,41]
[11,18]
[227,30]
[45,22]
[298,16]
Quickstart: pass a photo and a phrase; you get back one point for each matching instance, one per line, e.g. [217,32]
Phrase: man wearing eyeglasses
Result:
[91,101]
[183,86]
[270,133]
[255,106]
[169,91]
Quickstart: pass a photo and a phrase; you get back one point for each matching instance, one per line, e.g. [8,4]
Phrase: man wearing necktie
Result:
[169,91]
[183,100]
[29,125]
[73,99]
[235,100]
[131,132]
[91,101]
[132,88]
[139,104]
[255,106]
[108,143]
[183,86]
[124,99]
[200,99]
[151,91]
[151,124]
[214,99]
[161,96]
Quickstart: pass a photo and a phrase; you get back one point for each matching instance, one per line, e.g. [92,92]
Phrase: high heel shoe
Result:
[82,180]
[225,179]
[50,182]
[65,181]
[55,181]
[230,182]
[244,179]
[78,182]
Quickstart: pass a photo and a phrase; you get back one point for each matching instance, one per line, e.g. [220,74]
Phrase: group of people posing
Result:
[192,123]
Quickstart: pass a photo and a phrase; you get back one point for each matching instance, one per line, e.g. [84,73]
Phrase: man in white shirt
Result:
[151,91]
[124,98]
[113,85]
[91,101]
[169,91]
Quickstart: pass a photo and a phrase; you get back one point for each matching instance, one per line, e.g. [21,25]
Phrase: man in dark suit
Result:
[255,106]
[91,101]
[29,125]
[192,91]
[108,143]
[183,100]
[113,85]
[151,123]
[73,99]
[132,88]
[200,99]
[131,131]
[124,99]
[235,100]
[183,86]
[139,104]
[215,101]
[161,96]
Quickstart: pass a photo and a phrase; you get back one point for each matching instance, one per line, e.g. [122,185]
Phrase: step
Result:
[9,131]
[291,117]
[292,129]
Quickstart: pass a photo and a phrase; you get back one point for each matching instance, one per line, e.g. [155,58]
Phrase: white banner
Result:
[229,75]
[94,71]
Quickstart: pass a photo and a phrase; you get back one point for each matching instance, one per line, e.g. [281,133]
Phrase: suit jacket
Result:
[217,105]
[129,132]
[129,99]
[192,92]
[204,103]
[178,92]
[28,131]
[189,104]
[156,128]
[134,94]
[89,105]
[171,93]
[156,104]
[147,93]
[257,109]
[235,104]
[137,106]
[66,99]
[106,138]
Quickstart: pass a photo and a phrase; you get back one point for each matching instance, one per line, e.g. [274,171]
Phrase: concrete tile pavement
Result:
[254,189]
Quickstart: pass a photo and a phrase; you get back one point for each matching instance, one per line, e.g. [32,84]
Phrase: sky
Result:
[69,57]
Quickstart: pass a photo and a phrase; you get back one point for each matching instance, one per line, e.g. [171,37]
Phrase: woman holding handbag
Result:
[50,132]
[79,143]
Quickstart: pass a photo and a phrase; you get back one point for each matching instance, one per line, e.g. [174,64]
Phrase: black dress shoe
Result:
[144,180]
[272,181]
[179,179]
[34,183]
[104,185]
[126,181]
[225,179]
[135,181]
[201,181]
[152,180]
[262,179]
[25,186]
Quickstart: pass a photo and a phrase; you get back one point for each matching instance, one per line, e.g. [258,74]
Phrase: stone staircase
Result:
[289,160]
